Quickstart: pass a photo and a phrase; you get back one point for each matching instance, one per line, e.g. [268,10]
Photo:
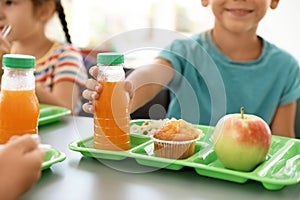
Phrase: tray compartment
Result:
[206,163]
[283,167]
[145,156]
[86,148]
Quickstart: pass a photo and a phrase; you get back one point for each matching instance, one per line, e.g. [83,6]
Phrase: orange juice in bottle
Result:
[19,106]
[112,115]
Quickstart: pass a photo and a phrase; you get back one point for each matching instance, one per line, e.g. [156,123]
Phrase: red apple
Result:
[241,141]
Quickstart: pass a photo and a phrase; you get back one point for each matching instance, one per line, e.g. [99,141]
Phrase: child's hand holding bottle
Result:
[94,88]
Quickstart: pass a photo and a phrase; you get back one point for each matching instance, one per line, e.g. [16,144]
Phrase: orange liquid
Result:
[112,118]
[19,113]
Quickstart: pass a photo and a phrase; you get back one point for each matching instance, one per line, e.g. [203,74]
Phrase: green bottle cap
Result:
[18,61]
[110,58]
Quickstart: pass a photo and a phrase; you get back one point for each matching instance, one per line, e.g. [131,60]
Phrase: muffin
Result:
[176,139]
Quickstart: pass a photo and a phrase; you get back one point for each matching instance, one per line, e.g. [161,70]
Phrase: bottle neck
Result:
[111,73]
[18,79]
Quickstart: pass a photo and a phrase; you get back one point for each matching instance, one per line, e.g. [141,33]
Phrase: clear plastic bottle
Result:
[19,106]
[112,115]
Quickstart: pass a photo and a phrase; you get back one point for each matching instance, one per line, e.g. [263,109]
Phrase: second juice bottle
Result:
[112,114]
[19,106]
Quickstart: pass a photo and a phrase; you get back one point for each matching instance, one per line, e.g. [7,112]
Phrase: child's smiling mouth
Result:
[239,12]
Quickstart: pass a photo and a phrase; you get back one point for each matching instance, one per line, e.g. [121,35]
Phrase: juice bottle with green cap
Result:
[112,115]
[19,106]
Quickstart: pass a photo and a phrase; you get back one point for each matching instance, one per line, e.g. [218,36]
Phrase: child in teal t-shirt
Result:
[212,80]
[216,72]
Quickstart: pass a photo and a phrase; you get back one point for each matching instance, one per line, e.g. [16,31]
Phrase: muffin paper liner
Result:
[174,149]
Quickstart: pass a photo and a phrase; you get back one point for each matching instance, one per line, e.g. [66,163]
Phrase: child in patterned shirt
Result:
[59,70]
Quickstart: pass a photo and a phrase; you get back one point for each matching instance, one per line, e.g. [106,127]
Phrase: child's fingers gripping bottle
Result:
[112,115]
[19,106]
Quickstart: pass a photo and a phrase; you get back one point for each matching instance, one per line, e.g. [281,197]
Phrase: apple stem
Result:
[242,112]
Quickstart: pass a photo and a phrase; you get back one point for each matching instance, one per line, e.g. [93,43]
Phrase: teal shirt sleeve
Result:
[172,54]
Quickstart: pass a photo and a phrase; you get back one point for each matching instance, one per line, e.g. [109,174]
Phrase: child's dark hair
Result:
[61,14]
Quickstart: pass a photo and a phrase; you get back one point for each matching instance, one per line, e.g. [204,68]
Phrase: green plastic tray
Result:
[50,114]
[51,157]
[281,168]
